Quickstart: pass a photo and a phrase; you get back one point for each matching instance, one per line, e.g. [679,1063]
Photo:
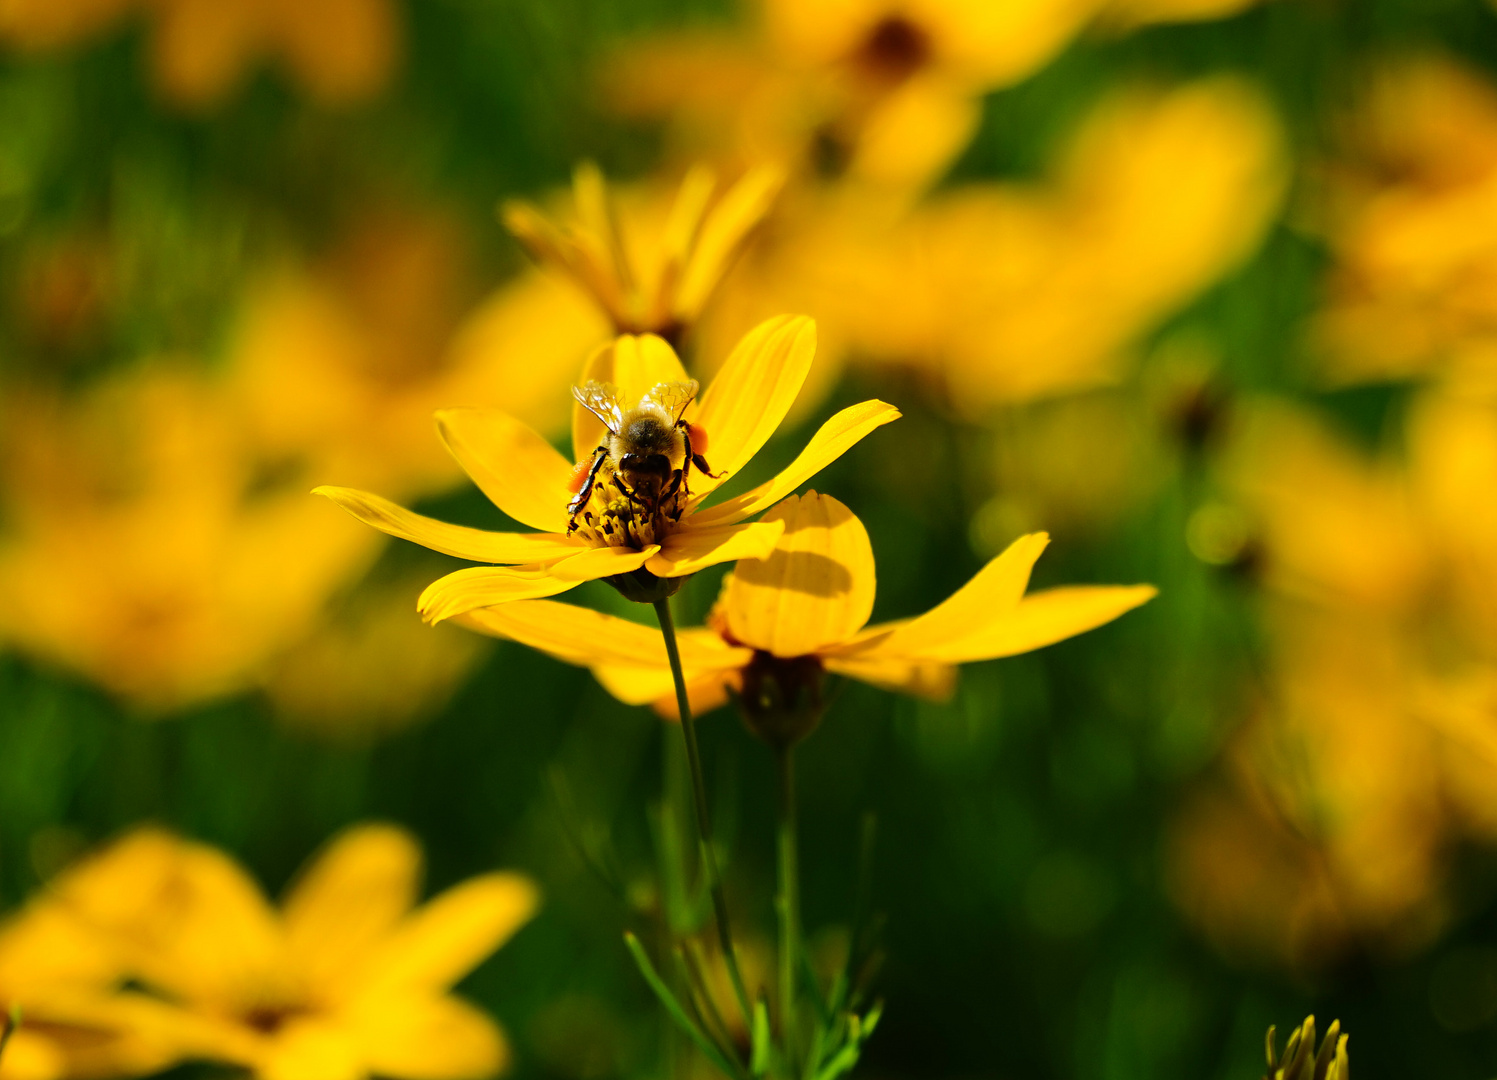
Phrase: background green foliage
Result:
[1019,826]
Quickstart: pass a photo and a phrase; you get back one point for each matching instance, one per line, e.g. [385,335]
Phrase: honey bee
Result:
[642,447]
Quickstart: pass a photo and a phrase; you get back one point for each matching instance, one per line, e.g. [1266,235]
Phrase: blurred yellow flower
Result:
[1331,826]
[879,92]
[144,546]
[614,532]
[1337,527]
[339,365]
[1369,750]
[61,970]
[346,980]
[1008,292]
[1409,211]
[658,282]
[783,620]
[338,51]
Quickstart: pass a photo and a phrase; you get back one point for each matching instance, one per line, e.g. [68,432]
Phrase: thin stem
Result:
[788,902]
[699,793]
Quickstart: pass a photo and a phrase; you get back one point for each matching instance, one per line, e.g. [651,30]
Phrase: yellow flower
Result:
[884,94]
[611,536]
[1301,1060]
[781,621]
[144,546]
[1409,212]
[340,364]
[1013,291]
[61,969]
[345,981]
[660,282]
[338,50]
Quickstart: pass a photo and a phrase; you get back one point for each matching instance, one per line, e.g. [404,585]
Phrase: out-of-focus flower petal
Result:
[518,470]
[349,899]
[478,545]
[916,132]
[739,209]
[201,48]
[446,938]
[209,932]
[815,590]
[831,441]
[311,1050]
[753,391]
[436,1038]
[689,550]
[341,50]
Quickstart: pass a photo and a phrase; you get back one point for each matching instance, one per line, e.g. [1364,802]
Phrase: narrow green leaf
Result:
[677,1013]
[763,1043]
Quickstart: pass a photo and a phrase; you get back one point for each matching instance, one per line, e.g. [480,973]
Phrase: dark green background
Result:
[1076,755]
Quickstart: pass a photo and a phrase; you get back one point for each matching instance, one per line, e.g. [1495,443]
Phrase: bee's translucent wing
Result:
[672,397]
[602,400]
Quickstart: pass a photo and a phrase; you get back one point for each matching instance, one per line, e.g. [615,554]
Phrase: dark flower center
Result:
[894,49]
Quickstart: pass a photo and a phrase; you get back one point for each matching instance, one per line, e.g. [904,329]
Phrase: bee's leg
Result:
[627,492]
[585,492]
[668,503]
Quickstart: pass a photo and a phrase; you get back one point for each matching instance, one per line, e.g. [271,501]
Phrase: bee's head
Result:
[645,464]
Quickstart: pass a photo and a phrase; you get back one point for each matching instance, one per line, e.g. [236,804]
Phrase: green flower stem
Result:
[699,792]
[787,903]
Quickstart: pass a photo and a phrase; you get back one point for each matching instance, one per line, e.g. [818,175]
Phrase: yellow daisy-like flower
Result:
[782,621]
[345,981]
[60,972]
[613,534]
[659,285]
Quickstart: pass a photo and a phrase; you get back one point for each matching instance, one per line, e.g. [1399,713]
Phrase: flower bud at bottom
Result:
[781,698]
[643,587]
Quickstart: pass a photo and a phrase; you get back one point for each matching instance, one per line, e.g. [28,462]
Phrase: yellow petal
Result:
[594,563]
[920,679]
[444,940]
[916,132]
[1038,620]
[690,549]
[349,899]
[634,364]
[212,932]
[815,590]
[648,686]
[677,240]
[639,362]
[520,472]
[430,1038]
[585,637]
[482,586]
[992,593]
[479,545]
[311,1050]
[753,391]
[741,208]
[831,441]
[587,429]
